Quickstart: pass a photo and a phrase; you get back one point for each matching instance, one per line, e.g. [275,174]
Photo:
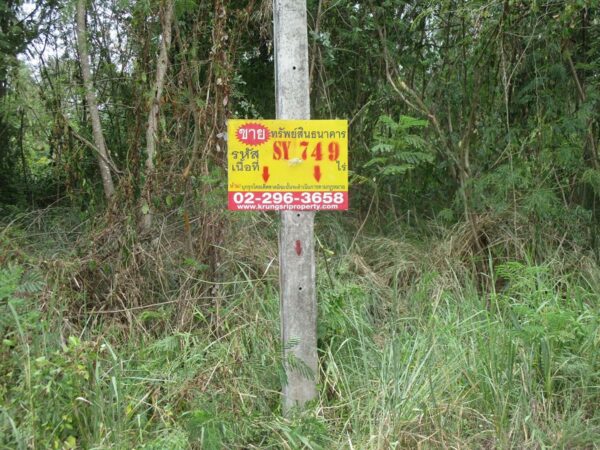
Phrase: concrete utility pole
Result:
[296,238]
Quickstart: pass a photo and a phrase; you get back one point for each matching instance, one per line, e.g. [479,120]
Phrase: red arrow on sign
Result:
[265,174]
[317,173]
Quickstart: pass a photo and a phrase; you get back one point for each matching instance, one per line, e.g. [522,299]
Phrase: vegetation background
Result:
[458,297]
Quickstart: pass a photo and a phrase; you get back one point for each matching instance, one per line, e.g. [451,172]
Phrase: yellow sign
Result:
[288,164]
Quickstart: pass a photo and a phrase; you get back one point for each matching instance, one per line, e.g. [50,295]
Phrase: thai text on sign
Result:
[287,165]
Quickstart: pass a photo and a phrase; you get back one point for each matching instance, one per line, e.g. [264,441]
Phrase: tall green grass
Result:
[413,352]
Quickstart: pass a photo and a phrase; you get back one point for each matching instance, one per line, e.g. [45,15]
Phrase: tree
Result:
[90,96]
[157,89]
[15,34]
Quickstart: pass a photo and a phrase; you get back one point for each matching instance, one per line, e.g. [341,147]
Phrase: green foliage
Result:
[551,321]
[477,333]
[17,288]
[335,307]
[592,178]
[397,151]
[407,351]
[401,161]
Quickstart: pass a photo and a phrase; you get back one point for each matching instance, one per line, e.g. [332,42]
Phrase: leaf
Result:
[191,262]
[145,208]
[407,122]
[397,170]
[592,177]
[9,281]
[381,148]
[399,151]
[71,442]
[375,161]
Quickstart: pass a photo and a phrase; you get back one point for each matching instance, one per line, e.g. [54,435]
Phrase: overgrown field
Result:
[424,340]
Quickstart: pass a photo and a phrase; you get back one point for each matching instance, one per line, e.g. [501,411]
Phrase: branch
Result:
[106,158]
[583,98]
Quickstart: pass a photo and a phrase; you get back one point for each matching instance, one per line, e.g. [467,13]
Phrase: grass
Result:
[413,352]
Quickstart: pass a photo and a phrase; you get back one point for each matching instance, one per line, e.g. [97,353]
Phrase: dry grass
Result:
[410,357]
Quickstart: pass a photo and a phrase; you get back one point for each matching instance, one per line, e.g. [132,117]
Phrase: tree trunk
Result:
[90,98]
[152,128]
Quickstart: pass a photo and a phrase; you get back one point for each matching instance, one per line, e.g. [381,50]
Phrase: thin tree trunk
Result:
[90,98]
[152,128]
[24,165]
